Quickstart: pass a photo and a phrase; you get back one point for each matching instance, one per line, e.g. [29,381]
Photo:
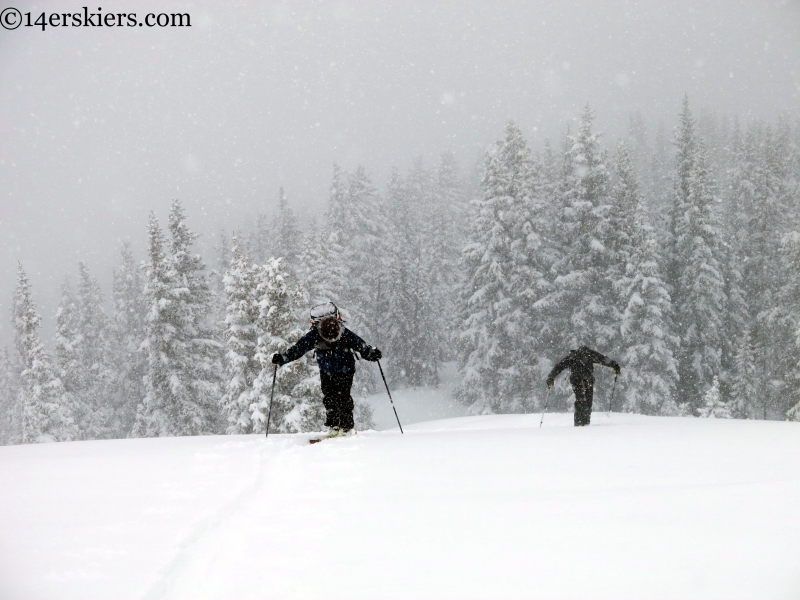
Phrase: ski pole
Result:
[390,397]
[271,394]
[611,402]
[546,400]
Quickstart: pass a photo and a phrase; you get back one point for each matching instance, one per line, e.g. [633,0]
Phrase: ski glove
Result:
[278,359]
[616,368]
[550,383]
[374,354]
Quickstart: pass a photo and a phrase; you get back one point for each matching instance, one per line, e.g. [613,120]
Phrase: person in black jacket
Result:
[580,363]
[334,346]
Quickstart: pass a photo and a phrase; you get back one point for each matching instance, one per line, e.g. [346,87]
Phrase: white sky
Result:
[100,126]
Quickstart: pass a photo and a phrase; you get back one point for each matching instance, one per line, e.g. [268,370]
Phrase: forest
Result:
[677,253]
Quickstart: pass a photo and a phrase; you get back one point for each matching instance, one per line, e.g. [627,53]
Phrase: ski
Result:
[332,436]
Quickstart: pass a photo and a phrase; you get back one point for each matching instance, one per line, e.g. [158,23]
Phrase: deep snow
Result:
[472,507]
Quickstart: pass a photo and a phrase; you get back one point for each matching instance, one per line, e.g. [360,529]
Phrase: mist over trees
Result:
[677,254]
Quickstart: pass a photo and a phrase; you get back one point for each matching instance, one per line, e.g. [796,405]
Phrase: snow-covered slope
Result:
[472,507]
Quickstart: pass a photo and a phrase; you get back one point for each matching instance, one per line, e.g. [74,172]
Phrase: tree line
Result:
[678,256]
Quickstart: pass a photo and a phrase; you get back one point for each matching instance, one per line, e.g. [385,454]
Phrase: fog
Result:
[99,126]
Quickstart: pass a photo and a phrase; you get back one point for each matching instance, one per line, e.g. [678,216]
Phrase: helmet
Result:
[324,310]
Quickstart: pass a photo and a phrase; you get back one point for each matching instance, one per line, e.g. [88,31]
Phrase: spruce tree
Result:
[357,225]
[10,407]
[584,293]
[68,363]
[321,270]
[411,338]
[714,407]
[646,346]
[504,282]
[286,238]
[184,358]
[95,358]
[297,403]
[241,337]
[128,333]
[746,385]
[47,412]
[445,232]
[695,268]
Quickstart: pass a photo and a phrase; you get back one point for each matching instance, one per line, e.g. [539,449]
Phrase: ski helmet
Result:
[321,311]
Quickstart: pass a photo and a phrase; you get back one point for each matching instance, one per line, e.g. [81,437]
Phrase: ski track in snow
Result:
[167,576]
[471,507]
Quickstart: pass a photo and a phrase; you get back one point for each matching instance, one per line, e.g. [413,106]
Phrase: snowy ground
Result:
[416,405]
[473,507]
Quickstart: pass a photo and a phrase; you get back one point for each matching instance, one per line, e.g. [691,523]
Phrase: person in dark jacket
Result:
[334,346]
[580,363]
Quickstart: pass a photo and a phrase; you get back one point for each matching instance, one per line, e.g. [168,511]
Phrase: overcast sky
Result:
[99,126]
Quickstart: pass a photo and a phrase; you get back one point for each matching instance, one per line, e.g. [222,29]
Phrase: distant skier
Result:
[580,363]
[334,346]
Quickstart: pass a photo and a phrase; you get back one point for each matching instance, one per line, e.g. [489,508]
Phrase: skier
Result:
[580,363]
[334,346]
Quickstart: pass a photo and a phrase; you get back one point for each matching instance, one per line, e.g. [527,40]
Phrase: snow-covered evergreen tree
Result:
[320,268]
[68,363]
[257,244]
[357,225]
[83,356]
[746,381]
[94,351]
[297,404]
[714,407]
[585,297]
[47,412]
[241,337]
[286,237]
[127,334]
[10,407]
[412,339]
[696,265]
[356,220]
[506,264]
[184,358]
[447,230]
[646,345]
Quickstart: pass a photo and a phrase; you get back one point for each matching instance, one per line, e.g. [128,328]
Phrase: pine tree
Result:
[320,270]
[355,219]
[714,407]
[746,382]
[10,407]
[445,232]
[286,240]
[241,337]
[760,215]
[184,362]
[47,414]
[357,225]
[297,403]
[411,337]
[639,144]
[646,345]
[68,361]
[505,279]
[128,333]
[94,351]
[584,293]
[695,267]
[258,243]
[786,318]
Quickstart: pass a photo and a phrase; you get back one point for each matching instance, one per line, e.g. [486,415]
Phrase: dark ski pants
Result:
[584,395]
[337,400]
